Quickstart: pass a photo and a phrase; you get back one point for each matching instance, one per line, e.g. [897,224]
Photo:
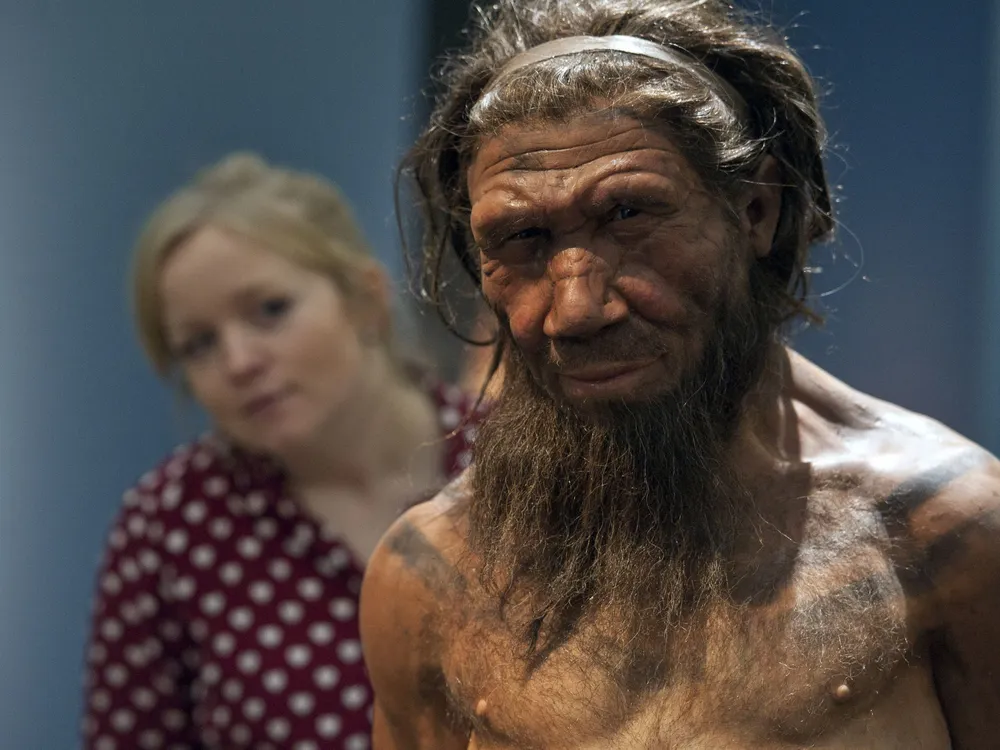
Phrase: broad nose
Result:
[584,301]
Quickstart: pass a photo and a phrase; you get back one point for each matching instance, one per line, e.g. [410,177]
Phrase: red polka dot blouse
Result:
[225,617]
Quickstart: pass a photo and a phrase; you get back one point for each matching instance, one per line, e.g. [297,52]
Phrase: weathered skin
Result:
[869,612]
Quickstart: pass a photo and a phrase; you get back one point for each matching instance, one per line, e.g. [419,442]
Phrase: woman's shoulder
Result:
[189,463]
[204,468]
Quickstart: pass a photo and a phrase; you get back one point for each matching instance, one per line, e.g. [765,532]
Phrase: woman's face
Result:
[266,346]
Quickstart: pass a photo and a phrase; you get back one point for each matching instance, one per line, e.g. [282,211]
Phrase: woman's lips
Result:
[261,404]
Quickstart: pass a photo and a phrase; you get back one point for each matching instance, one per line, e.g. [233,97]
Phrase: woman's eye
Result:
[195,346]
[624,212]
[274,308]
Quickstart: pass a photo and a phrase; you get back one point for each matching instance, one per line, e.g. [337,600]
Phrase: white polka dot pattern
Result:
[226,618]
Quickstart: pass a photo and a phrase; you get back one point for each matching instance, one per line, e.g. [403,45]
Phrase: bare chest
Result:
[825,657]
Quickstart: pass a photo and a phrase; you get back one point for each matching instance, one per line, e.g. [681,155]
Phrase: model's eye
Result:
[530,233]
[624,212]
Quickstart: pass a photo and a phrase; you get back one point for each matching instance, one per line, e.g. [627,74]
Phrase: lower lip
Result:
[265,406]
[622,384]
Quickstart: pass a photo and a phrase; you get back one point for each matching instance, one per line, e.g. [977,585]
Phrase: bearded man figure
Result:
[677,533]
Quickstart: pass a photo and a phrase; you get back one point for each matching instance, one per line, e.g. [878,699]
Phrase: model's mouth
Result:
[602,372]
[612,379]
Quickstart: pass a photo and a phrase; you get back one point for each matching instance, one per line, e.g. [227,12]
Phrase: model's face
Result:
[604,252]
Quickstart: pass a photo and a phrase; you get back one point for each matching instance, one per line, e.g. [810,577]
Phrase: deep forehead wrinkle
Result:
[650,162]
[635,159]
[528,154]
[534,161]
[521,193]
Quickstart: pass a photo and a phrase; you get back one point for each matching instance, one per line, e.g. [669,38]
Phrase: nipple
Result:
[842,693]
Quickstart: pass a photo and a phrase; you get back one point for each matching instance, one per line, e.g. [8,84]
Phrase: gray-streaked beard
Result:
[633,510]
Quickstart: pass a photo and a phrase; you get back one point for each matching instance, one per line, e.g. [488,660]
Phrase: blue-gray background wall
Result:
[105,106]
[910,111]
[108,105]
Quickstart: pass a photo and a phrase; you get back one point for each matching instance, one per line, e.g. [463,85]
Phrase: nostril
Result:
[581,306]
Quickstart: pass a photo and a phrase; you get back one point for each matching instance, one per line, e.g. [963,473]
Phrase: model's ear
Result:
[760,206]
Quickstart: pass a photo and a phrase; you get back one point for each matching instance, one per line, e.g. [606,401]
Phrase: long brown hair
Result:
[780,117]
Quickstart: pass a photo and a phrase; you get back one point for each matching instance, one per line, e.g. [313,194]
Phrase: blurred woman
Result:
[226,613]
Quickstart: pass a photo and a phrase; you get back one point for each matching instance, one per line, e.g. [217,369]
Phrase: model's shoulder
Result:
[413,591]
[414,584]
[875,438]
[923,468]
[426,546]
[927,461]
[939,499]
[934,492]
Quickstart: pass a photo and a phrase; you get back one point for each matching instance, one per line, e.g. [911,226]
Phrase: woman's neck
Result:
[387,428]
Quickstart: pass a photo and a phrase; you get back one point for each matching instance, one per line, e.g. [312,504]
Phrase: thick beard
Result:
[633,511]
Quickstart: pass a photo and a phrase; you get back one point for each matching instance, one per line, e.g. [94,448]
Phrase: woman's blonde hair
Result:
[299,216]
